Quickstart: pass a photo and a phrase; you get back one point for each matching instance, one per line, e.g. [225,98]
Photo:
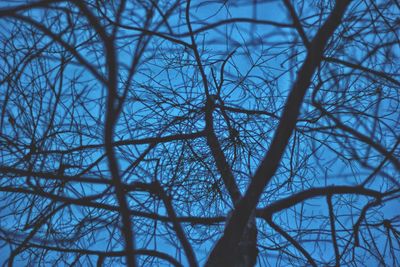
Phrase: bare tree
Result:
[187,133]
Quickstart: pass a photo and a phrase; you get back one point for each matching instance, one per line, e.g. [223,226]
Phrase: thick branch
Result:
[234,230]
[212,140]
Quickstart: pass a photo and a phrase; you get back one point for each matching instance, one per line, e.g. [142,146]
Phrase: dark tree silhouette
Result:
[199,133]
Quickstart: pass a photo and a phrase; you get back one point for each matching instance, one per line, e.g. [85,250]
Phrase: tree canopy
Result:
[199,133]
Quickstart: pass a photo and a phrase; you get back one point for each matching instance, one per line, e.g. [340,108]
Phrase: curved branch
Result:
[291,240]
[363,138]
[317,192]
[234,20]
[111,254]
[364,69]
